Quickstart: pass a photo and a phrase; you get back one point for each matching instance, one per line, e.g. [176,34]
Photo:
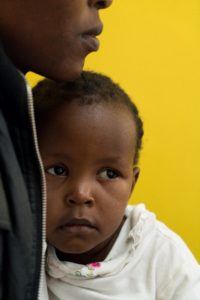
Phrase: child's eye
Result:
[57,171]
[109,174]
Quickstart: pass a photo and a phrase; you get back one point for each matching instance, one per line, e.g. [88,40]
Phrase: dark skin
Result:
[50,37]
[97,254]
[88,153]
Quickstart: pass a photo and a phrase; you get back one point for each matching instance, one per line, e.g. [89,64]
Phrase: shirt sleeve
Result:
[178,272]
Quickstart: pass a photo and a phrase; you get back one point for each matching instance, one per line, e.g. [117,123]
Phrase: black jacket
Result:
[20,191]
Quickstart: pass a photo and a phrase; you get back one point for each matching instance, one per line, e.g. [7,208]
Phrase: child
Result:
[90,135]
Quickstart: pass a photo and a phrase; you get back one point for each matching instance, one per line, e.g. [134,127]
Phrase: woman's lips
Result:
[89,38]
[91,42]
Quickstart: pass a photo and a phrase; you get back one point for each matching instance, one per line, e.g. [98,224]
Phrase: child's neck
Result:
[97,254]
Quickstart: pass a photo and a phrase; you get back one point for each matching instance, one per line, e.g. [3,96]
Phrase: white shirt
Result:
[147,262]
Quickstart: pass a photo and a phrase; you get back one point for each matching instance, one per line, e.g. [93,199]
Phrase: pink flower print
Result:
[95,265]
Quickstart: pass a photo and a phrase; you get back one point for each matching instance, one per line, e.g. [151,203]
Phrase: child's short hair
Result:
[88,89]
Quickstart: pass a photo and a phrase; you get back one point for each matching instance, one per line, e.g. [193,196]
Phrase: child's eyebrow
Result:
[57,155]
[110,158]
[113,159]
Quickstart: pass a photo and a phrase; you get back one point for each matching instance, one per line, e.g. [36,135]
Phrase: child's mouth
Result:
[78,226]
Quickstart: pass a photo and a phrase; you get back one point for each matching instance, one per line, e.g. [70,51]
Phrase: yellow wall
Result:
[152,48]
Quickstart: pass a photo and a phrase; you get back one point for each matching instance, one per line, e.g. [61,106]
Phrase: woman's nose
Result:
[80,194]
[100,4]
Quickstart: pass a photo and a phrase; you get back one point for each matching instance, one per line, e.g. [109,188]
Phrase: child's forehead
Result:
[106,117]
[99,129]
[105,113]
[96,103]
[104,126]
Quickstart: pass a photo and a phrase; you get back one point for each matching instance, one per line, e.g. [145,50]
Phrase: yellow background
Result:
[152,48]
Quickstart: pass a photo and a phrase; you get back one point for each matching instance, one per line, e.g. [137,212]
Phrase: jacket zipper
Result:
[43,185]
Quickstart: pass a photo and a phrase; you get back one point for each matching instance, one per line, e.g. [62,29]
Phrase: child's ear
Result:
[136,173]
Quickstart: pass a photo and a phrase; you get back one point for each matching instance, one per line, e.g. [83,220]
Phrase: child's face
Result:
[88,154]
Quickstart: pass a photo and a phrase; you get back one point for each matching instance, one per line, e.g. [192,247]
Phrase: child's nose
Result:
[80,194]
